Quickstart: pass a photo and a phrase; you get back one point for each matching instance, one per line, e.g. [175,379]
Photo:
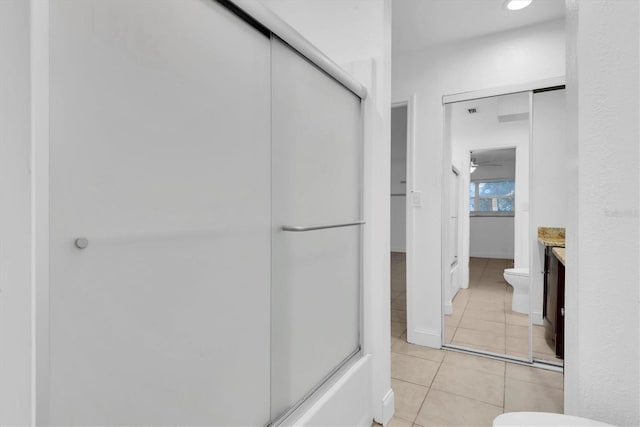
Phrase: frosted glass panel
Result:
[316,181]
[163,319]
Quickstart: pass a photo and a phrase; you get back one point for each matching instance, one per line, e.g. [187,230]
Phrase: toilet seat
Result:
[543,419]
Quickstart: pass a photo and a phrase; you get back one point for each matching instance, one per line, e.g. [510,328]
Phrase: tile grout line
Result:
[534,383]
[464,310]
[467,397]
[429,389]
[416,357]
[471,369]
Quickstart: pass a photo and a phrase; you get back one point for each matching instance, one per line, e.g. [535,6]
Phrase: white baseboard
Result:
[388,407]
[448,307]
[536,318]
[425,337]
[493,255]
[455,292]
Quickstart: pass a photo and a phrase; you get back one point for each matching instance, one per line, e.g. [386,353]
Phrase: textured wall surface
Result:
[602,327]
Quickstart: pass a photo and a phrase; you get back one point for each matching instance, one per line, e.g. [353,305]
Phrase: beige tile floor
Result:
[482,317]
[447,388]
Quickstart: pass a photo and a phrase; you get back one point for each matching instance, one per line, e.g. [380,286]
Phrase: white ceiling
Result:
[484,124]
[488,112]
[503,155]
[418,24]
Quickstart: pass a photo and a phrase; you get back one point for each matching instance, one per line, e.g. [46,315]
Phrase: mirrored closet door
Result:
[488,203]
[504,292]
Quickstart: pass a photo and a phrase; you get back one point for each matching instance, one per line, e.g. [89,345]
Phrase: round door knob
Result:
[81,242]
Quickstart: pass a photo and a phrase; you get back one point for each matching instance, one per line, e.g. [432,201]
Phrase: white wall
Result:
[491,237]
[398,175]
[15,205]
[602,375]
[524,55]
[357,35]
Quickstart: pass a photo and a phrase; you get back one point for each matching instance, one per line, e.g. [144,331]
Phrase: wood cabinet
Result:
[553,309]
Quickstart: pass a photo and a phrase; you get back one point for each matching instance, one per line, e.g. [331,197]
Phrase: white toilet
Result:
[542,419]
[518,278]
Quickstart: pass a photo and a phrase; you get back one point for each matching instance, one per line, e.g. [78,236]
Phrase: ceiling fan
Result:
[475,164]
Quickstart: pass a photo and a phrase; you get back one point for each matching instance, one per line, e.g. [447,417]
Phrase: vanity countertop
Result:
[560,254]
[551,236]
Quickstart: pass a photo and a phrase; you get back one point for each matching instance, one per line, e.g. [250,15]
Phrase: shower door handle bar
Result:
[321,227]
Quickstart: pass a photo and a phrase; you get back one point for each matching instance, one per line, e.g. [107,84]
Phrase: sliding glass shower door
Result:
[205,218]
[316,225]
[159,216]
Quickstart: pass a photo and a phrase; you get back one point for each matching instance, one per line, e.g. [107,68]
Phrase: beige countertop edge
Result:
[559,243]
[560,254]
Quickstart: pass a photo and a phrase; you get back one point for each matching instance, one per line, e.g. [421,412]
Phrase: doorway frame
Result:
[412,196]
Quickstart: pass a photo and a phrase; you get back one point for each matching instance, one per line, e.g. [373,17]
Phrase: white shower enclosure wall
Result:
[204,218]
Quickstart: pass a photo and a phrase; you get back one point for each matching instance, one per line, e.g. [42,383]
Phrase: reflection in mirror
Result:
[548,219]
[489,140]
[398,186]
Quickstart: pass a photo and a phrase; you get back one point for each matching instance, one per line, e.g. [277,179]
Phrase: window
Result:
[491,198]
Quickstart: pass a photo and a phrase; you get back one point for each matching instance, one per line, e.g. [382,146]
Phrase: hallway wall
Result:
[524,55]
[491,237]
[602,327]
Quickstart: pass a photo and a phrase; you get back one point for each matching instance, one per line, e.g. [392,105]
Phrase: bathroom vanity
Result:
[554,302]
[553,240]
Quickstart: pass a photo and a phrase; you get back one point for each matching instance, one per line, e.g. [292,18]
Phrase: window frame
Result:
[476,199]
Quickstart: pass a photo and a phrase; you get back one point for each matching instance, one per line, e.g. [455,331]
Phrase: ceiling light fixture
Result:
[517,4]
[472,166]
